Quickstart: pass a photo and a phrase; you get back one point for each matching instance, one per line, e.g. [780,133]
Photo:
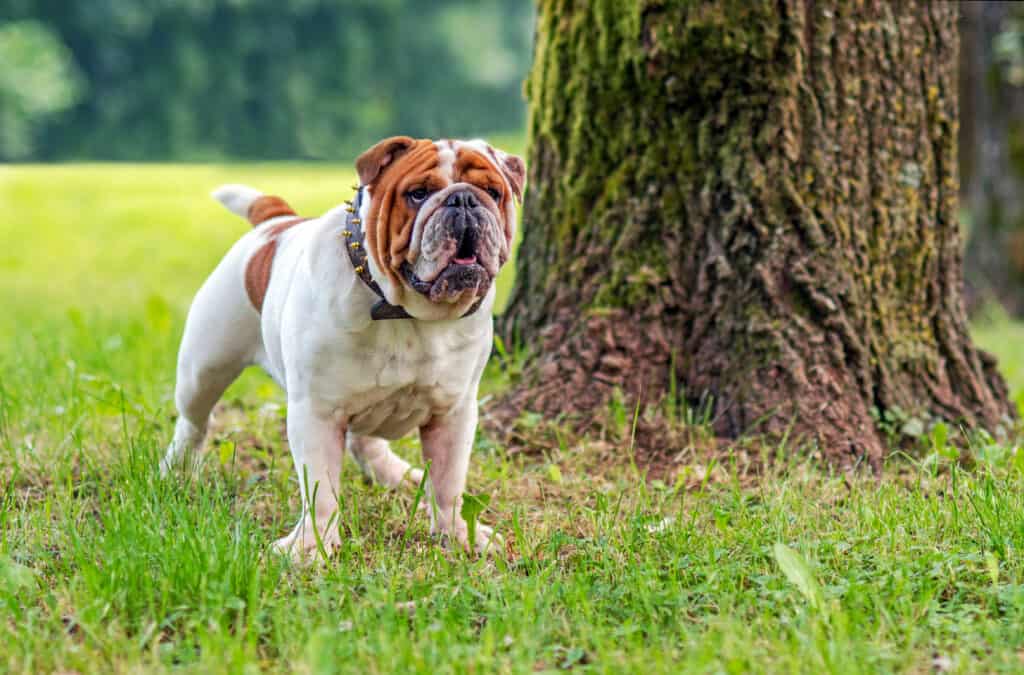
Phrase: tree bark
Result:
[752,202]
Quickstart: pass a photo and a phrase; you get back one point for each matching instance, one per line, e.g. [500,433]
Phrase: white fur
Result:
[445,158]
[345,376]
[237,198]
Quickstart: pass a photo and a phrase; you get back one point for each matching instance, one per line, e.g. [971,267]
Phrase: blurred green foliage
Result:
[1008,47]
[37,80]
[254,79]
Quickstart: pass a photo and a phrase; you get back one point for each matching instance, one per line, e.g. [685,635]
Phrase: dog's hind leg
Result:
[222,337]
[379,463]
[198,389]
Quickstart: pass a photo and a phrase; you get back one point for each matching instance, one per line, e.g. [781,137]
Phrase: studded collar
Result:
[355,244]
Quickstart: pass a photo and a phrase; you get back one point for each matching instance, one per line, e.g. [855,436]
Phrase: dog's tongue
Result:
[465,261]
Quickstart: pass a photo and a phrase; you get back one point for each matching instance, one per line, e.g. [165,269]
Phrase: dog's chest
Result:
[396,378]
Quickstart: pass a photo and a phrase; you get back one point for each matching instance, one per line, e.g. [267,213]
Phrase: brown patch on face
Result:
[514,170]
[257,270]
[473,168]
[390,219]
[267,207]
[398,165]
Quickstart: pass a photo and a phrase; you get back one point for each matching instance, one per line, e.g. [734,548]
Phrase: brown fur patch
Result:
[257,273]
[390,218]
[513,169]
[257,270]
[267,207]
[372,162]
[472,167]
[278,229]
[389,221]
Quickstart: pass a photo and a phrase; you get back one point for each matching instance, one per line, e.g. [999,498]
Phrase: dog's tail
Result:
[251,204]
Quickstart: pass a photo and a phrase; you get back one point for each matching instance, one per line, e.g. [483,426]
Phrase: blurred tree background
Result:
[202,80]
[992,151]
[254,79]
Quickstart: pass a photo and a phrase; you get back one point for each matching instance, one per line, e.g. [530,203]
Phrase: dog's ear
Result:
[372,162]
[514,169]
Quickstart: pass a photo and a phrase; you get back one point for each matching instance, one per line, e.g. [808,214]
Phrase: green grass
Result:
[105,568]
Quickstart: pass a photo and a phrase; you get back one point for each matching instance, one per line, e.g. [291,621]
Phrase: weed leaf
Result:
[472,507]
[225,452]
[799,573]
[14,576]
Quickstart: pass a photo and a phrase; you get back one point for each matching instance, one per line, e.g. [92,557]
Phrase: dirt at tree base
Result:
[577,372]
[608,377]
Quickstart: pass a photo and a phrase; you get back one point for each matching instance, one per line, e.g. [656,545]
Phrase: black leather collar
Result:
[355,244]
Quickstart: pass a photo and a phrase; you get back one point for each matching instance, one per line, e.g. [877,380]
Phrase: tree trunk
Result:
[752,202]
[993,152]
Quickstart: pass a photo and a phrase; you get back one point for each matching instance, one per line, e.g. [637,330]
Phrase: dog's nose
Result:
[462,199]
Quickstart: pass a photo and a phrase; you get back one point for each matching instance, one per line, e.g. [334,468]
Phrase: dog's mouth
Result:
[463,275]
[469,242]
[458,257]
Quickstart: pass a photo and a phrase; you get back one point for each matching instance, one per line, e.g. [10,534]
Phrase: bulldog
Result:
[375,319]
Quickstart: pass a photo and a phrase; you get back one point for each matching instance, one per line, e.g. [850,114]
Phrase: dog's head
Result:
[439,218]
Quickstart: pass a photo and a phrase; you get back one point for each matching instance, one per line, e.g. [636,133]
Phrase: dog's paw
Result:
[413,477]
[486,542]
[393,472]
[304,543]
[190,464]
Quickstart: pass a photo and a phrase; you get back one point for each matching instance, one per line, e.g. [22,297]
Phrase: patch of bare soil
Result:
[606,378]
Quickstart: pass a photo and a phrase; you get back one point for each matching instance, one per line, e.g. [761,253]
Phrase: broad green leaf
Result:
[799,573]
[226,451]
[15,577]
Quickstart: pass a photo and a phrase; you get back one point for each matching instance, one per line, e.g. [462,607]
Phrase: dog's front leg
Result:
[316,439]
[447,443]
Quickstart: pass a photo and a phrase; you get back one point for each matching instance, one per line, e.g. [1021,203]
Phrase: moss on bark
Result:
[756,198]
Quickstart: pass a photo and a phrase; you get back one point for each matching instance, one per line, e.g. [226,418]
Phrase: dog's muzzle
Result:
[460,220]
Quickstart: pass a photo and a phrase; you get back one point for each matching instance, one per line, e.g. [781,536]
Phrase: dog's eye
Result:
[418,195]
[494,193]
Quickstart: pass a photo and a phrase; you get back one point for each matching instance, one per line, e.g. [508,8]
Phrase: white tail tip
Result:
[237,198]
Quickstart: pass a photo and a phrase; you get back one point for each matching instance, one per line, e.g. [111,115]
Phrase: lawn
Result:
[106,568]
